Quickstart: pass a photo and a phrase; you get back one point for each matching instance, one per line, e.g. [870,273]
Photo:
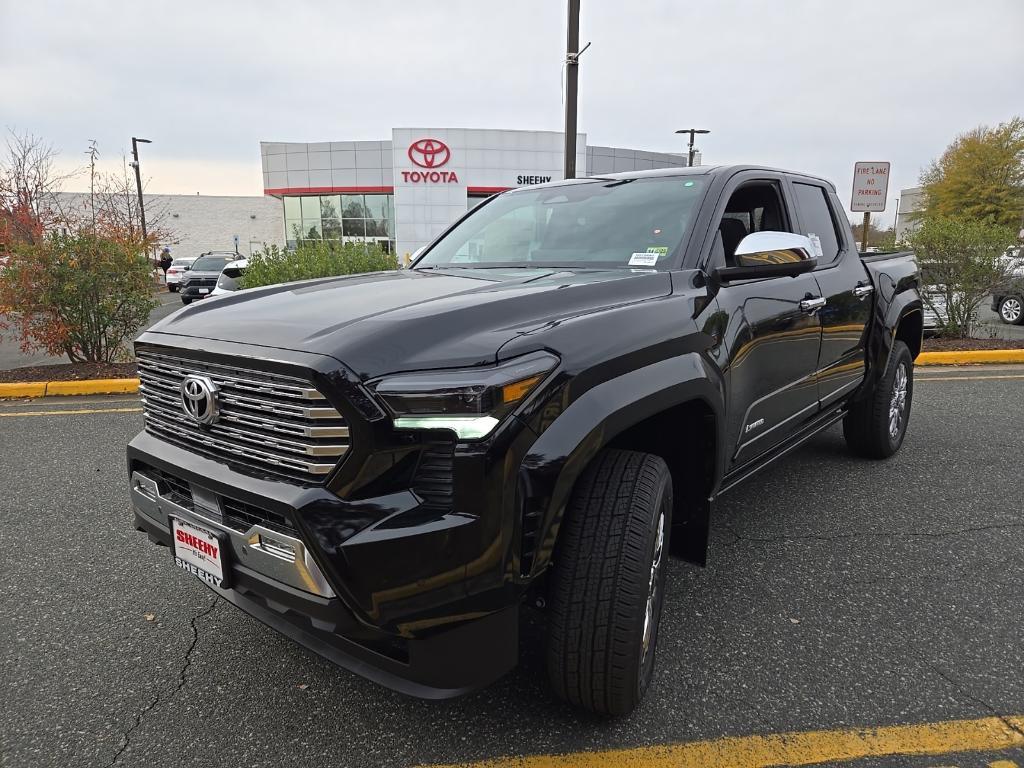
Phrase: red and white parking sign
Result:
[870,186]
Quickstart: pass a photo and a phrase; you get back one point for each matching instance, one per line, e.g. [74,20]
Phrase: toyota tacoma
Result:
[387,467]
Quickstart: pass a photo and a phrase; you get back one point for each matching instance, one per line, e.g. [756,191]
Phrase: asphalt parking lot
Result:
[840,594]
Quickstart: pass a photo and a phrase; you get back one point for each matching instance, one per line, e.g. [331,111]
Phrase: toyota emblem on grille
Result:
[199,399]
[429,153]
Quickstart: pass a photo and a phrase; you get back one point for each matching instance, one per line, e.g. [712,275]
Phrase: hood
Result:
[410,319]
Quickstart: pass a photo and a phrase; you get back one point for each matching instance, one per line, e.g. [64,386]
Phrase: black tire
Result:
[608,551]
[185,301]
[873,428]
[1011,310]
[172,288]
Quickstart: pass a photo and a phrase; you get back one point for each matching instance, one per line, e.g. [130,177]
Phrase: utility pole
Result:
[138,180]
[572,62]
[692,132]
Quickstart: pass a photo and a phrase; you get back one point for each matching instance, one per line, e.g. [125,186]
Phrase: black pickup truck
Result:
[387,467]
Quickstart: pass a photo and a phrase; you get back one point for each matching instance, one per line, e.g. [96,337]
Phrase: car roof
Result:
[699,170]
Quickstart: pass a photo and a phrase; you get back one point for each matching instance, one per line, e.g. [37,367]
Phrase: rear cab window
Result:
[818,220]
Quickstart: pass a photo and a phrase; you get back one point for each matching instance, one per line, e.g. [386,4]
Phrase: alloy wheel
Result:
[898,403]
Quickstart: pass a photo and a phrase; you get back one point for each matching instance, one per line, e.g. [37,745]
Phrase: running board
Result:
[731,480]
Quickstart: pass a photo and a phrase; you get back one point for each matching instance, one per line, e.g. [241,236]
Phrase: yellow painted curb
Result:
[80,387]
[967,357]
[23,389]
[92,387]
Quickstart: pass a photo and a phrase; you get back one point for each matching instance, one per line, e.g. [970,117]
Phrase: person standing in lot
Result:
[165,262]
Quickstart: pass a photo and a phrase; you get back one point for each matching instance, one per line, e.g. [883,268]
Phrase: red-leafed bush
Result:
[83,295]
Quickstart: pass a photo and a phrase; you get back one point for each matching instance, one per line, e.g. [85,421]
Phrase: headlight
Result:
[470,403]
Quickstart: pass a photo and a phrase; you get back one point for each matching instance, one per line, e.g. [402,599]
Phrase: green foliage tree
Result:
[82,294]
[315,258]
[960,264]
[979,176]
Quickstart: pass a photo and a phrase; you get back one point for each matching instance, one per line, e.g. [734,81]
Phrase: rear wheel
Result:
[1011,310]
[608,582]
[876,425]
[172,287]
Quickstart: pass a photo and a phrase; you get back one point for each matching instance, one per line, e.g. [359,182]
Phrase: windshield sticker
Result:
[661,250]
[643,259]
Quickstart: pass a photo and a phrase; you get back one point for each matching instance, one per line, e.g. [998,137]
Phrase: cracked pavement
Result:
[839,593]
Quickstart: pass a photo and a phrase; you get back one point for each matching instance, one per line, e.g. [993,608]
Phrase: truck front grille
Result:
[265,420]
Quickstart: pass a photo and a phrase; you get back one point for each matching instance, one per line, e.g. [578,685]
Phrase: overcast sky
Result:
[799,84]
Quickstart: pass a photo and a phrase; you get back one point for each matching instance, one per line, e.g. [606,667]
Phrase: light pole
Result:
[138,180]
[572,56]
[692,132]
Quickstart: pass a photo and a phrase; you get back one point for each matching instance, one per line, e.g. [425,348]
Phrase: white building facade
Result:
[405,191]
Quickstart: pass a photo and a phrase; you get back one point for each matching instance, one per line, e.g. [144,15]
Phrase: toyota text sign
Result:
[429,154]
[870,187]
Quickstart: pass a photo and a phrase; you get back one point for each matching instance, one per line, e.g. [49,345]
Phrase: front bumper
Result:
[277,579]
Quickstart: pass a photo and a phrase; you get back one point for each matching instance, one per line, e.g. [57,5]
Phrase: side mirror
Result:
[769,254]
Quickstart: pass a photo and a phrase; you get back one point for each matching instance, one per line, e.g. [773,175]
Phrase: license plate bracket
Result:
[201,551]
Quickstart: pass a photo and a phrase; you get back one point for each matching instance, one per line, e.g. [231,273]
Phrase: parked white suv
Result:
[177,270]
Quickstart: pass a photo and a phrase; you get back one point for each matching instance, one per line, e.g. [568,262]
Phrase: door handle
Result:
[863,290]
[813,305]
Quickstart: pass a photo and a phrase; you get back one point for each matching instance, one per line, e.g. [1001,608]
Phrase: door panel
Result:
[772,360]
[844,320]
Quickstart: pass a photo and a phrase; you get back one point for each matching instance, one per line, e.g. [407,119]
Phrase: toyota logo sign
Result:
[429,153]
[199,399]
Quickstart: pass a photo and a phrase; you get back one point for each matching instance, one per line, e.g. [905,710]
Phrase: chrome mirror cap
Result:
[762,248]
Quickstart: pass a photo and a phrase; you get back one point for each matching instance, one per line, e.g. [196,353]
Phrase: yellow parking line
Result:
[66,412]
[969,378]
[806,748]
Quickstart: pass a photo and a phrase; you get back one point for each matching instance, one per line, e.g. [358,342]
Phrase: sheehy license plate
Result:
[198,551]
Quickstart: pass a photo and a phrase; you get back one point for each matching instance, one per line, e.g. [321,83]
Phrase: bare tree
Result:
[28,183]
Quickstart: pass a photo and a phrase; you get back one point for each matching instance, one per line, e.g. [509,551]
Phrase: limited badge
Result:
[643,259]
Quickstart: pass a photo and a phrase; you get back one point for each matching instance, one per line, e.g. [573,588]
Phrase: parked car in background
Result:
[229,277]
[177,270]
[1008,298]
[201,278]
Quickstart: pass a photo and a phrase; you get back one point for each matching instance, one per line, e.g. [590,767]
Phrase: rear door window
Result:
[817,220]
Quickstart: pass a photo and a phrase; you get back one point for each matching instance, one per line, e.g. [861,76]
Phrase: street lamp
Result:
[692,132]
[138,180]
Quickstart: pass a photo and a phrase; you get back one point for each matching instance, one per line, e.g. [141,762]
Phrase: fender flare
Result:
[883,335]
[556,460]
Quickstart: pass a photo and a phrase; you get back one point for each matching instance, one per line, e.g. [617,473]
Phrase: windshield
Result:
[210,263]
[601,223]
[181,262]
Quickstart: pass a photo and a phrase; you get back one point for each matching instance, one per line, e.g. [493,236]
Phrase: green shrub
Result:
[960,262]
[315,258]
[83,295]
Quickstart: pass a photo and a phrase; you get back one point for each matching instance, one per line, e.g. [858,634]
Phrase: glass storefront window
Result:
[310,208]
[330,207]
[354,227]
[312,229]
[351,218]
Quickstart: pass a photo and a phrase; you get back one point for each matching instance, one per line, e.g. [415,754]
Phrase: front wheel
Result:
[185,300]
[875,426]
[608,582]
[1011,310]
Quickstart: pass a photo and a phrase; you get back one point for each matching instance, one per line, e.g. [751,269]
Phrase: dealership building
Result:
[404,191]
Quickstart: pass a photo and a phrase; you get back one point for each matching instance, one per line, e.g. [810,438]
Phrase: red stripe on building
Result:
[329,190]
[486,190]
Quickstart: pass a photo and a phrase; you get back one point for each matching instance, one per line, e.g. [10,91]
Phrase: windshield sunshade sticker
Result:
[643,259]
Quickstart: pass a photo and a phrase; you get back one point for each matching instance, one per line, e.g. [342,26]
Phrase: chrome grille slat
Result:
[269,420]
